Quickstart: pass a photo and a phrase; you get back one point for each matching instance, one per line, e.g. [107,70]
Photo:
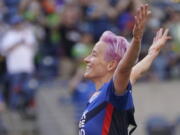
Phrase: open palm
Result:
[140,21]
[159,41]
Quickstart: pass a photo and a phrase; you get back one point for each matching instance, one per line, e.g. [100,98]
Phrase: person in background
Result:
[18,46]
[70,35]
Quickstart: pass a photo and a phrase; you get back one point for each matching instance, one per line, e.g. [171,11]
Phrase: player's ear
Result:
[112,65]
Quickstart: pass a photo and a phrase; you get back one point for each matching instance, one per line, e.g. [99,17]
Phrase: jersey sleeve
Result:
[121,102]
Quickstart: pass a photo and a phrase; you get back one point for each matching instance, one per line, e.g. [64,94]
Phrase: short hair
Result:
[116,46]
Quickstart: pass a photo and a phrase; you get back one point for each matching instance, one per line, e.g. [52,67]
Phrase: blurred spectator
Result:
[31,9]
[12,8]
[174,25]
[70,34]
[19,47]
[99,14]
[125,21]
[81,49]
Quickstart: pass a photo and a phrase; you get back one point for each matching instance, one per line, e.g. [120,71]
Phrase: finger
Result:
[145,10]
[148,13]
[138,16]
[142,17]
[159,33]
[164,41]
[166,33]
[145,13]
[156,36]
[136,20]
[138,10]
[146,7]
[139,13]
[168,37]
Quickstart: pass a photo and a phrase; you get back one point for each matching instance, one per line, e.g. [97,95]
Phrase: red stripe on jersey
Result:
[107,119]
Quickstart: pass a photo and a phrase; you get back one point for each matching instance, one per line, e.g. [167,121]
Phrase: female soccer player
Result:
[110,66]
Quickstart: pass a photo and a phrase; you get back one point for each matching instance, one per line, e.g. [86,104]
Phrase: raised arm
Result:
[143,66]
[122,73]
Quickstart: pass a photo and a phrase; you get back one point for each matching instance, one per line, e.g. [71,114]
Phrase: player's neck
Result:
[99,82]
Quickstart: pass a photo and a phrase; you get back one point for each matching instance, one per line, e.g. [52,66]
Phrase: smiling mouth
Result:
[88,67]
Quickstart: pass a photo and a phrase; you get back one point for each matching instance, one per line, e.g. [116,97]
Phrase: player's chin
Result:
[87,75]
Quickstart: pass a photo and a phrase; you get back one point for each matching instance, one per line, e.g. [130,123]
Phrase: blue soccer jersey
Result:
[107,113]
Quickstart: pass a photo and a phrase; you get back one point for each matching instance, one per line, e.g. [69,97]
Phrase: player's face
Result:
[96,64]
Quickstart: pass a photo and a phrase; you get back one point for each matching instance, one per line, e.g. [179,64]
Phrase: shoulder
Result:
[110,85]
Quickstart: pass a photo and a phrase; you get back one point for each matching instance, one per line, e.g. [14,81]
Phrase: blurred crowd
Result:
[41,40]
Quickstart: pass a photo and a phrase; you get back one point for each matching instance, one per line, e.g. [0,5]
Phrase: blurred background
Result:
[42,46]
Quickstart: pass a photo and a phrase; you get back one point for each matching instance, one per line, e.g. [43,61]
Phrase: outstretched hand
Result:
[159,41]
[140,21]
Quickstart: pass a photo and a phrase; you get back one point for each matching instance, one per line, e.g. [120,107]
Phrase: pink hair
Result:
[117,46]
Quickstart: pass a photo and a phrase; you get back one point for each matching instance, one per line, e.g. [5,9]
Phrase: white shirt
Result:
[21,58]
